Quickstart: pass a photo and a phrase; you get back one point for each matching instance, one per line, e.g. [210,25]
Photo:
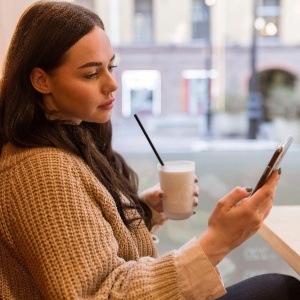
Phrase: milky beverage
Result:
[177,182]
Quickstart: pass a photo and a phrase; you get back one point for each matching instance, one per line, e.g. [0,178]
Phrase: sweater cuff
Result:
[197,277]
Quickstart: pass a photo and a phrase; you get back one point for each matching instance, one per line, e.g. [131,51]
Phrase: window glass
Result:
[141,92]
[267,22]
[196,90]
[143,21]
[271,2]
[200,19]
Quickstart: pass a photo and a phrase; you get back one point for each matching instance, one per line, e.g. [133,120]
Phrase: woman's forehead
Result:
[93,46]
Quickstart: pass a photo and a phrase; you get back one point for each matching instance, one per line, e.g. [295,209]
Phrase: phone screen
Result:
[274,162]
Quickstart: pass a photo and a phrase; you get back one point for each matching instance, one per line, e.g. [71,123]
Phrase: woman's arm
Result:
[69,236]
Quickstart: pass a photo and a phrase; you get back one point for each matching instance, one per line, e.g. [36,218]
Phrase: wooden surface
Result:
[281,230]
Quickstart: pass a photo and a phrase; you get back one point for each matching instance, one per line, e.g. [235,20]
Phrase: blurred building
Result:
[193,57]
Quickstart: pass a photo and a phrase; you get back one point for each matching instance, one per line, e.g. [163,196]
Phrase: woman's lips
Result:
[108,105]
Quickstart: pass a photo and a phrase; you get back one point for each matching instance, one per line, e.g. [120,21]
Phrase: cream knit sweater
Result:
[61,237]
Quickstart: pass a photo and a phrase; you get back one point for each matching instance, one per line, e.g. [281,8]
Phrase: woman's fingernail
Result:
[248,189]
[161,194]
[195,201]
[196,194]
[196,180]
[279,171]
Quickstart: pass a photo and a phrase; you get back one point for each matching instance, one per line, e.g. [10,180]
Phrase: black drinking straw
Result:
[146,135]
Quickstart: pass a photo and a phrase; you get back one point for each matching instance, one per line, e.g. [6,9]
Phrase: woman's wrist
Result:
[213,247]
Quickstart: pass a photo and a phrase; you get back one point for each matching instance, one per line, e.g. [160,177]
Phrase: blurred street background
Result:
[212,81]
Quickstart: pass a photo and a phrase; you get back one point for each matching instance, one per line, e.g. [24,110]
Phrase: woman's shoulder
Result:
[13,157]
[45,169]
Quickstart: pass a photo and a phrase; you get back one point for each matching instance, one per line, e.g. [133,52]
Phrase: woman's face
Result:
[83,87]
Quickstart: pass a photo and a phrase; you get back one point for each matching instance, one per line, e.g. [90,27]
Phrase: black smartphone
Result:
[274,162]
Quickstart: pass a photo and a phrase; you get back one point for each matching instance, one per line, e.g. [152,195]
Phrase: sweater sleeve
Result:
[67,231]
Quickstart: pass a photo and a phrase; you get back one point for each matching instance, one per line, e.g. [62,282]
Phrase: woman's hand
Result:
[153,196]
[236,218]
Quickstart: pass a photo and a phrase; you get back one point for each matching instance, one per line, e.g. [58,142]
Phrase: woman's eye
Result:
[110,68]
[91,76]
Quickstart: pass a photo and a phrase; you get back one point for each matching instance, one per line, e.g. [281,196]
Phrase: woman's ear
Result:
[39,80]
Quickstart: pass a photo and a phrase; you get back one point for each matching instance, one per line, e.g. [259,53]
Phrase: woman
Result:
[72,224]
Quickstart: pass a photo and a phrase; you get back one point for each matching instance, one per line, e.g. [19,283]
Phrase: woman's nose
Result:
[110,84]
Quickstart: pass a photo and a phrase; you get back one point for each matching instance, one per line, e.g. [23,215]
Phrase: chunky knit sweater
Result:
[61,237]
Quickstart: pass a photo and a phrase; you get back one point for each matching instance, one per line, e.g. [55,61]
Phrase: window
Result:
[197,93]
[143,21]
[200,20]
[271,2]
[141,92]
[267,20]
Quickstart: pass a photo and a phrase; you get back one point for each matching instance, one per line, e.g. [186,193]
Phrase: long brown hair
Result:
[45,31]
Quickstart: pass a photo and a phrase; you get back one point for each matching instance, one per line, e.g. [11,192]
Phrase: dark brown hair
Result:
[45,31]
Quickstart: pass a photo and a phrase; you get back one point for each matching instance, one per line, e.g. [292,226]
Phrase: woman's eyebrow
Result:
[91,64]
[94,63]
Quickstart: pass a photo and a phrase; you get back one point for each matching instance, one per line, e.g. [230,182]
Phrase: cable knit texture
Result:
[61,237]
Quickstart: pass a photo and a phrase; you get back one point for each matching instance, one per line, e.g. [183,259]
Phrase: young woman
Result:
[72,225]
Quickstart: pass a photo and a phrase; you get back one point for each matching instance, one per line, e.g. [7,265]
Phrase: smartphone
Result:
[274,162]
